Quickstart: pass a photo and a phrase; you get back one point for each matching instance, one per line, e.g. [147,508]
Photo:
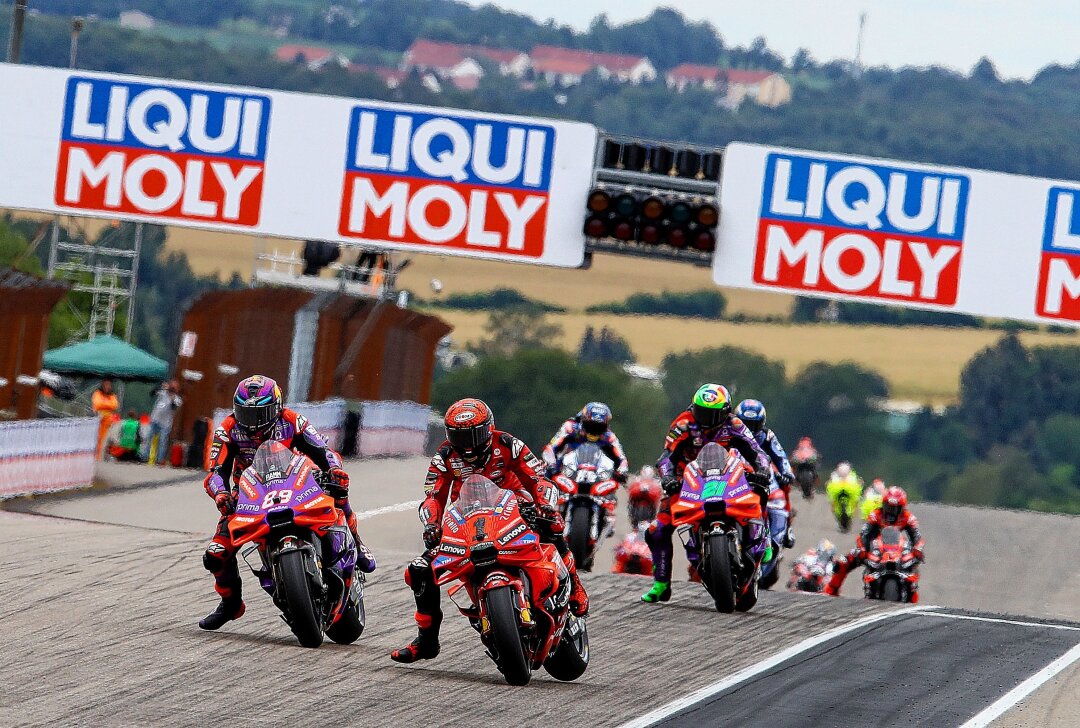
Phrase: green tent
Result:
[106,356]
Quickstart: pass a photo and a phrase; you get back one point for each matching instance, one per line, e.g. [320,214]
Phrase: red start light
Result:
[650,234]
[595,227]
[677,238]
[705,241]
[624,231]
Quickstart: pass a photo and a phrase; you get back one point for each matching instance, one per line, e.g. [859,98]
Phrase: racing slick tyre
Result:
[297,591]
[806,484]
[578,538]
[350,625]
[571,657]
[499,605]
[890,591]
[718,571]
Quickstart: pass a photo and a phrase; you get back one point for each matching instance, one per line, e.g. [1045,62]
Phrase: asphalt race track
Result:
[101,593]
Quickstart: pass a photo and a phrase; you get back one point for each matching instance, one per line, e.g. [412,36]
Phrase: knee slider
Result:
[213,559]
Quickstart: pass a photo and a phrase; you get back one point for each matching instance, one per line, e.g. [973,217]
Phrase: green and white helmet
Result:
[711,406]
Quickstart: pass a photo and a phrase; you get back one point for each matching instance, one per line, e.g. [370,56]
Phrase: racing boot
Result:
[692,572]
[426,644]
[579,598]
[227,610]
[789,539]
[660,592]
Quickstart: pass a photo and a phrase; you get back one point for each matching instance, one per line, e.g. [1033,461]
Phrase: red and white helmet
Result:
[893,504]
[470,425]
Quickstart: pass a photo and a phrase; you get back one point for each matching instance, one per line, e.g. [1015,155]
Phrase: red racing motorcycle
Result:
[891,573]
[514,590]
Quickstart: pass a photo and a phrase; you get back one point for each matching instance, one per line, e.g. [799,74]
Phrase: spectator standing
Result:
[166,401]
[106,405]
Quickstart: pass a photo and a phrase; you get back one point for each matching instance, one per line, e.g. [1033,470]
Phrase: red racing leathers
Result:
[681,446]
[231,452]
[510,465]
[865,541]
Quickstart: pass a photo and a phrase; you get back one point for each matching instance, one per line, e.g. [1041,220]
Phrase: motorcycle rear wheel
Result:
[505,637]
[303,620]
[571,657]
[806,483]
[718,570]
[578,538]
[890,591]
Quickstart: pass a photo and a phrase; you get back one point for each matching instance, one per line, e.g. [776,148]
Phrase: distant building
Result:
[136,20]
[567,67]
[462,65]
[314,57]
[766,88]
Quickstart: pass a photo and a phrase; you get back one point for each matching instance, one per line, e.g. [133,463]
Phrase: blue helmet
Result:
[595,417]
[752,412]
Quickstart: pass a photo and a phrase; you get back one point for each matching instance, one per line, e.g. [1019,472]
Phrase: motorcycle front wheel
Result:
[890,591]
[718,568]
[505,637]
[303,620]
[578,538]
[571,657]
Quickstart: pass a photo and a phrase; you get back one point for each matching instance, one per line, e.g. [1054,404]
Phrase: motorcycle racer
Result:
[709,418]
[591,424]
[871,497]
[259,415]
[893,512]
[843,483]
[473,446]
[752,413]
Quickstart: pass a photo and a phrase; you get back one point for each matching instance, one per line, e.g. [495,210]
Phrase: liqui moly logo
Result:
[1059,271]
[162,150]
[437,179]
[877,231]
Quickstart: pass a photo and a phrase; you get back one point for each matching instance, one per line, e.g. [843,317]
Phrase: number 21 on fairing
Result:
[276,497]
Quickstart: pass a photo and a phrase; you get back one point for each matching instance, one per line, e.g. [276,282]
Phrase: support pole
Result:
[18,17]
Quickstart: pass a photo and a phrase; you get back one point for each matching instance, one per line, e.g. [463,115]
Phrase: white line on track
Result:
[407,505]
[1021,691]
[666,711]
[1047,625]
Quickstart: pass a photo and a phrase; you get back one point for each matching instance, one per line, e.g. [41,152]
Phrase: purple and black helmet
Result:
[257,403]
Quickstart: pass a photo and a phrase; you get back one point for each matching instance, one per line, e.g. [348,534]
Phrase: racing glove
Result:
[432,535]
[337,483]
[786,478]
[670,484]
[224,502]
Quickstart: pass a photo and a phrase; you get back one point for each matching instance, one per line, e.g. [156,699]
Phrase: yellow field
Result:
[920,363]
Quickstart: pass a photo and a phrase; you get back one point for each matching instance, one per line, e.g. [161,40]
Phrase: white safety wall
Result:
[37,456]
[883,231]
[295,165]
[392,428]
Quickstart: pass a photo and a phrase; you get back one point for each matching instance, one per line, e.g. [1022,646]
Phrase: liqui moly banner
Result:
[882,231]
[295,165]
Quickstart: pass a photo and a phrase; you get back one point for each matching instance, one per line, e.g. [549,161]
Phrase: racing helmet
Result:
[878,486]
[752,412]
[711,405]
[826,550]
[257,404]
[843,470]
[648,472]
[595,417]
[893,504]
[470,425]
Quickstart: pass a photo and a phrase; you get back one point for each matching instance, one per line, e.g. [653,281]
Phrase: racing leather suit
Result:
[684,441]
[779,521]
[231,452]
[865,541]
[509,465]
[572,436]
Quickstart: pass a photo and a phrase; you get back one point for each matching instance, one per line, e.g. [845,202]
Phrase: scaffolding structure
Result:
[106,270]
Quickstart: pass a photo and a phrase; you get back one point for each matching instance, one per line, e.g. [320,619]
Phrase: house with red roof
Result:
[314,57]
[566,66]
[462,65]
[766,88]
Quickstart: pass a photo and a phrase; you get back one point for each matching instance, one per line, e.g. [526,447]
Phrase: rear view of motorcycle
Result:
[719,517]
[299,546]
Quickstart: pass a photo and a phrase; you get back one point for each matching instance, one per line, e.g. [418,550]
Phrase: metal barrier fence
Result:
[38,456]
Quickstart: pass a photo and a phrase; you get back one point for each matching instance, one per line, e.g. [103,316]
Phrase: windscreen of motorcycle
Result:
[273,461]
[477,493]
[712,460]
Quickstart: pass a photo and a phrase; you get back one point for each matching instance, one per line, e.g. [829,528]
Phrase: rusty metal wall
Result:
[364,349]
[25,304]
